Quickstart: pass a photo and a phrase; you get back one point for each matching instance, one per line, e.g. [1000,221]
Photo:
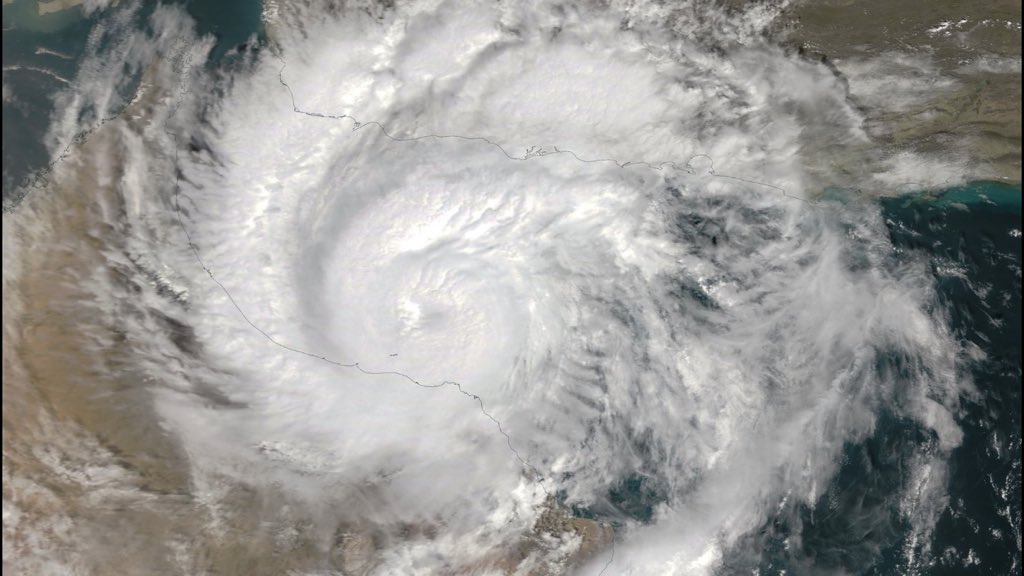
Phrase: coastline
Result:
[51,403]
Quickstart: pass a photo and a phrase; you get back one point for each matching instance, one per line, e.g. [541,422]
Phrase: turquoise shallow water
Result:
[1006,197]
[976,229]
[855,527]
[971,235]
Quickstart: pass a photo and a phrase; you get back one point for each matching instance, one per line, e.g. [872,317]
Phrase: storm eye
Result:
[510,288]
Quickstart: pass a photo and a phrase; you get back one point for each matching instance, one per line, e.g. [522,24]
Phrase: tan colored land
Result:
[975,43]
[51,6]
[90,477]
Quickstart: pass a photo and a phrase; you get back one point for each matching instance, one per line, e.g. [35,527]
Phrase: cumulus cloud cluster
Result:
[497,256]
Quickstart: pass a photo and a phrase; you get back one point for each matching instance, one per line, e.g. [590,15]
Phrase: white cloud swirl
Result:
[710,336]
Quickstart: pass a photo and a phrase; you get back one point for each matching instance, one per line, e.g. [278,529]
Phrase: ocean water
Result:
[863,520]
[33,73]
[41,55]
[971,234]
[231,22]
[973,237]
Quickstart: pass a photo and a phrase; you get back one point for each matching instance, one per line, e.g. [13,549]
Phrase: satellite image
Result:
[512,288]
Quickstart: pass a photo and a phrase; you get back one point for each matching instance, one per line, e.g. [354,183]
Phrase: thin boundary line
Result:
[194,248]
[40,179]
[530,153]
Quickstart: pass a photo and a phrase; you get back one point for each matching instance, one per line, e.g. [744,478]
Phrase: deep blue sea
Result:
[972,237]
[856,526]
[976,229]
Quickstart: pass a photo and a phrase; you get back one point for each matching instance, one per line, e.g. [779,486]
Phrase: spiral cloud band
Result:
[448,267]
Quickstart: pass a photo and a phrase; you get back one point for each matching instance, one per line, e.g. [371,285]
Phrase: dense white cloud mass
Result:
[611,251]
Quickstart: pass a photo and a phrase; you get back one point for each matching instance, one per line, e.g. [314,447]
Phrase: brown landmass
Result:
[975,43]
[85,461]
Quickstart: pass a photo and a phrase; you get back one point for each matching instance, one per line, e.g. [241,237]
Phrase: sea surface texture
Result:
[511,288]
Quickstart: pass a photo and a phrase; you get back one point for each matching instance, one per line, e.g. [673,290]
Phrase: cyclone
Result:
[445,268]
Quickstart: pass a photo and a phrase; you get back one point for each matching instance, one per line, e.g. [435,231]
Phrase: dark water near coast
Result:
[970,234]
[972,237]
[41,54]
